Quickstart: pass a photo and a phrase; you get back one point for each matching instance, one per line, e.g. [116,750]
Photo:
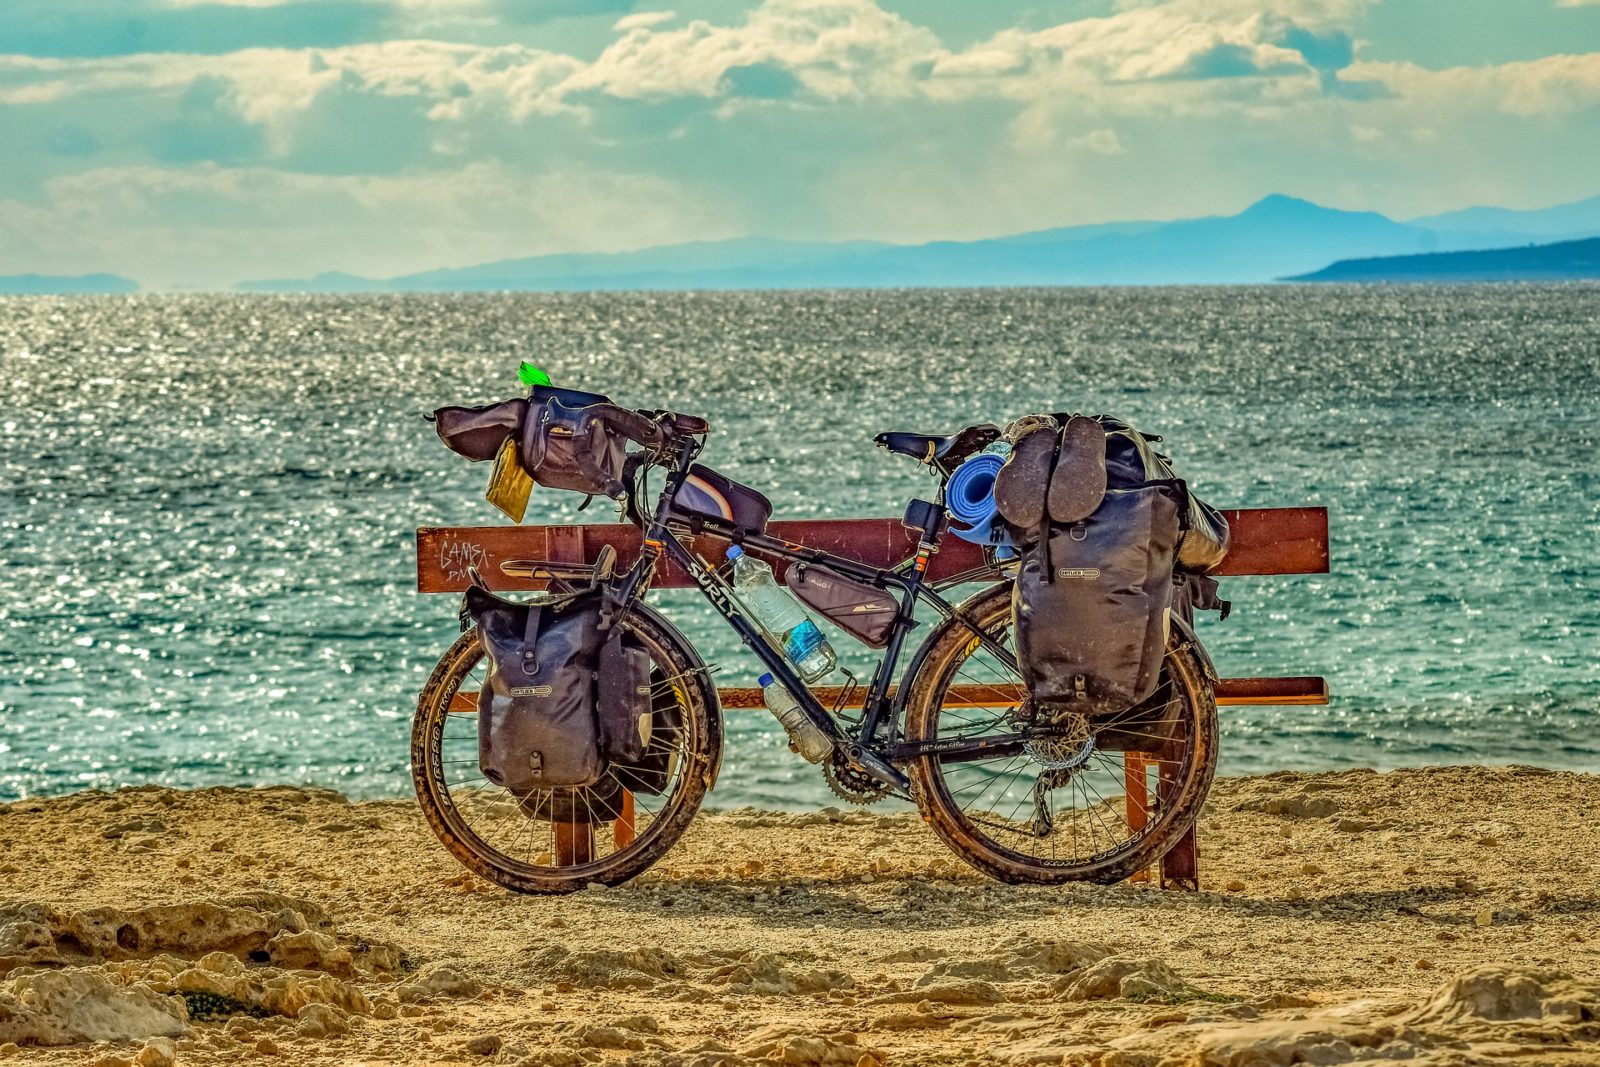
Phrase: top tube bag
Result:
[705,494]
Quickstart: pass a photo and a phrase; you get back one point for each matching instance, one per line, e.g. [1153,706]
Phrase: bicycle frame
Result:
[909,583]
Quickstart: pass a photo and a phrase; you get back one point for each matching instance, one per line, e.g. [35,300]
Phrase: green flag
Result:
[532,375]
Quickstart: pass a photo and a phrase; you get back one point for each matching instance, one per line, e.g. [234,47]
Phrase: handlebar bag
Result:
[478,432]
[864,611]
[1092,600]
[705,494]
[562,447]
[537,726]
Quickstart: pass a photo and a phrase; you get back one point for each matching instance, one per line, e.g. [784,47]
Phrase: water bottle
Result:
[785,621]
[804,737]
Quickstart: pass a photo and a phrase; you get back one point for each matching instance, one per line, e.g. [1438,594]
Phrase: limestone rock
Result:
[438,980]
[157,1052]
[638,968]
[1126,976]
[83,1004]
[308,950]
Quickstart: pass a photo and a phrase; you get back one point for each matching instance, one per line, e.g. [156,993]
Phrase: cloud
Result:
[643,20]
[794,117]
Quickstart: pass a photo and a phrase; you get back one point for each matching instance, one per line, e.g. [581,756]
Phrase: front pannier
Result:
[624,698]
[705,494]
[536,711]
[1092,603]
[863,610]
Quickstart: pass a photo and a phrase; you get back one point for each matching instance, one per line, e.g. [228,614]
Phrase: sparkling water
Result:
[207,503]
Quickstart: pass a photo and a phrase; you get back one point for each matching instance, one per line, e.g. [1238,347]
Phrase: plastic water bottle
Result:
[785,621]
[804,737]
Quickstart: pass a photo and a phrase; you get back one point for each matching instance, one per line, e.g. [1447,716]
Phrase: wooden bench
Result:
[1265,541]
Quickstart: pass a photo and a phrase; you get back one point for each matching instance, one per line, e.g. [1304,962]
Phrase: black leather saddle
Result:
[940,451]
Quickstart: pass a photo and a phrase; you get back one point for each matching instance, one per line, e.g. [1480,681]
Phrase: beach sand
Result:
[1439,916]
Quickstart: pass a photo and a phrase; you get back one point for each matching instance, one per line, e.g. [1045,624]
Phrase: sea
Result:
[207,503]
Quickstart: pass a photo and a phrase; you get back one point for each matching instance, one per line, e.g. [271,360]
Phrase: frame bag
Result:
[863,611]
[1092,600]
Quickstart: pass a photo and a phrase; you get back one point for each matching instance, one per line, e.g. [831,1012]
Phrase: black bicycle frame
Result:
[661,539]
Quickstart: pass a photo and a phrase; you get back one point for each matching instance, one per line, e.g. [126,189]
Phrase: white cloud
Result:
[643,20]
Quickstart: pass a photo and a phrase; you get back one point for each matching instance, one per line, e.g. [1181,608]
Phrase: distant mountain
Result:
[1274,237]
[46,285]
[1581,219]
[1563,261]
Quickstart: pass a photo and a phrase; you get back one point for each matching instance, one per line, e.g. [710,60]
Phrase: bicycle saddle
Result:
[946,451]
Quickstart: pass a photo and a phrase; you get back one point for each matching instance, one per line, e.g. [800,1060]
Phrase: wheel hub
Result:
[1067,749]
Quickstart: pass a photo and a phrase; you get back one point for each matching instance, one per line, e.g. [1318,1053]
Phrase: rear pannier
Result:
[862,610]
[705,494]
[1092,603]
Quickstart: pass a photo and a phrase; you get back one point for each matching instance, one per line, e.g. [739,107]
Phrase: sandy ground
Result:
[1437,916]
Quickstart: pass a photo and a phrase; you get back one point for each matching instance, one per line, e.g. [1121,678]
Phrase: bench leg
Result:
[1180,867]
[574,843]
[625,828]
[1137,797]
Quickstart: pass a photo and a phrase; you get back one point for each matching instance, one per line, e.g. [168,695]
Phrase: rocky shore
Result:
[1440,916]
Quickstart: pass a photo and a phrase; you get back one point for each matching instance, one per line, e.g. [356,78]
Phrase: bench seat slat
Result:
[1265,541]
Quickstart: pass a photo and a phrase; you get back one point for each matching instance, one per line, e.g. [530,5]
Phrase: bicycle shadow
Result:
[844,902]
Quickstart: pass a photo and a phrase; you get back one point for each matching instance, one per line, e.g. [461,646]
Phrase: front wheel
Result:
[560,840]
[1097,803]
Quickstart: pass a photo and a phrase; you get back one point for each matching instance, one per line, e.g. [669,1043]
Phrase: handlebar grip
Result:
[630,424]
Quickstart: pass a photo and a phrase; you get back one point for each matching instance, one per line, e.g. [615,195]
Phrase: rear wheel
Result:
[1095,801]
[560,840]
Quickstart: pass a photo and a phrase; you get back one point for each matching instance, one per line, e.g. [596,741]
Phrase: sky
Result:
[196,143]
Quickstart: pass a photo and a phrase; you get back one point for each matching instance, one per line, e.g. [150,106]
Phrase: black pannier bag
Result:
[478,432]
[648,774]
[1130,460]
[537,727]
[563,447]
[705,494]
[623,698]
[1092,600]
[862,610]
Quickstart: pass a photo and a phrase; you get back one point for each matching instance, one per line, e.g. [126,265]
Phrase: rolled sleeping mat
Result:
[969,498]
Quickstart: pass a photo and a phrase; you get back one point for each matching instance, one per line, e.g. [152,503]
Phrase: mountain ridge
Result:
[1275,237]
[1557,261]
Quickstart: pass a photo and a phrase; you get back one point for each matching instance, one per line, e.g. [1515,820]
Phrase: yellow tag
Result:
[509,484]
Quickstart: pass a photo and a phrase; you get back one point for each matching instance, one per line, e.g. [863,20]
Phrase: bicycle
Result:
[1016,792]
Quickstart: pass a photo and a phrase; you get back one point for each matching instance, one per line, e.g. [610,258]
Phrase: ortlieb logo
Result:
[532,691]
[1088,573]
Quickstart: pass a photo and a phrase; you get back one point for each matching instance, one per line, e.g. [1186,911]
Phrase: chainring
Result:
[850,784]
